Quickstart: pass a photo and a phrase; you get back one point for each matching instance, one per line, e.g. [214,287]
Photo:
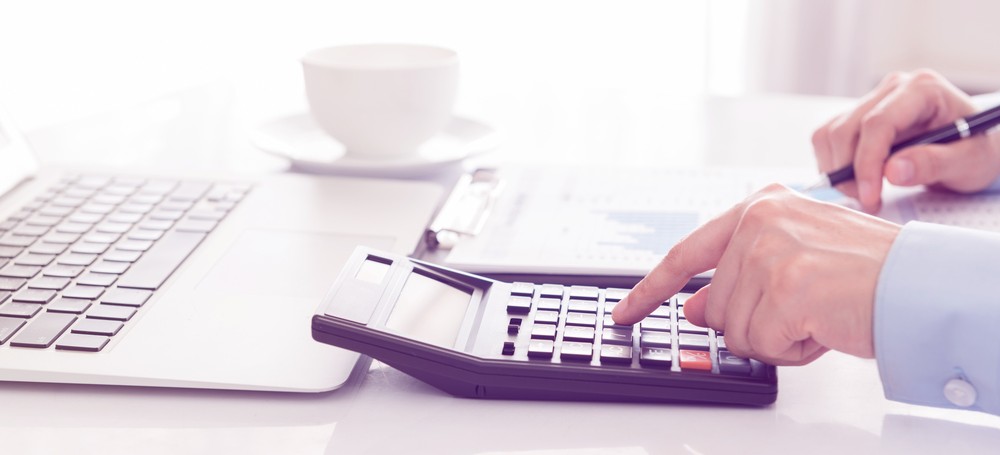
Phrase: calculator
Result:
[472,336]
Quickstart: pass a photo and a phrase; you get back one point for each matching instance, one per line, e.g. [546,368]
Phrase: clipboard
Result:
[580,225]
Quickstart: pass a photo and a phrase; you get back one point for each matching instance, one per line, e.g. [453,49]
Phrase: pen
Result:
[961,129]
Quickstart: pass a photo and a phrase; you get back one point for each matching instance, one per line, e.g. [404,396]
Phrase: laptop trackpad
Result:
[285,263]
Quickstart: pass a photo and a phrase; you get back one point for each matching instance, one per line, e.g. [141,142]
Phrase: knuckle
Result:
[893,78]
[765,208]
[926,75]
[820,138]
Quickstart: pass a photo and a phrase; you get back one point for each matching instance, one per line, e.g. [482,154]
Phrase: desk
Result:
[834,405]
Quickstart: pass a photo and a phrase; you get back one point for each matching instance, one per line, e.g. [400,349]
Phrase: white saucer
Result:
[297,138]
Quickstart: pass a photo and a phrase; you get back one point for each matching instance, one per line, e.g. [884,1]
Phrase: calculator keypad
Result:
[555,323]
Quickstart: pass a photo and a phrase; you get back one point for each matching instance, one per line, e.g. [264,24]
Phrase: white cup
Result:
[381,101]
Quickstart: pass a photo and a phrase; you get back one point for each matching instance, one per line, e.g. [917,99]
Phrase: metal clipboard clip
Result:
[466,210]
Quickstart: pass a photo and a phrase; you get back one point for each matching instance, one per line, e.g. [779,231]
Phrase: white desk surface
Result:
[834,405]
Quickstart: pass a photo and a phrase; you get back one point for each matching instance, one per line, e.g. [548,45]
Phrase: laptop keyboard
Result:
[78,262]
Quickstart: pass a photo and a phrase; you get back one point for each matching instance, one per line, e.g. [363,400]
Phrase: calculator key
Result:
[655,357]
[655,324]
[508,348]
[573,350]
[730,363]
[584,292]
[693,341]
[685,326]
[614,353]
[587,319]
[541,349]
[512,329]
[583,306]
[551,290]
[695,360]
[547,303]
[578,333]
[519,305]
[609,307]
[518,288]
[543,332]
[661,311]
[617,336]
[549,317]
[615,294]
[610,322]
[655,339]
[720,341]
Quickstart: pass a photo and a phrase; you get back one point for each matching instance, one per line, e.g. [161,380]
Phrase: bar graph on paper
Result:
[596,221]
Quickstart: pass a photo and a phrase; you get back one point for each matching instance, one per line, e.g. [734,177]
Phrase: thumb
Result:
[926,165]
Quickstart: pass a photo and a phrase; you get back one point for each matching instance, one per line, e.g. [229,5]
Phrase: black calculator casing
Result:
[479,364]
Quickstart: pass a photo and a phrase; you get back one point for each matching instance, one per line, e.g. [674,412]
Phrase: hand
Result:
[902,106]
[794,277]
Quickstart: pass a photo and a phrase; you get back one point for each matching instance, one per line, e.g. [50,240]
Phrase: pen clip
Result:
[466,210]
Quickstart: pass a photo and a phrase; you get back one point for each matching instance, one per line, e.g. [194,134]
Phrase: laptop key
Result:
[9,326]
[126,297]
[20,309]
[97,279]
[10,284]
[81,291]
[161,260]
[82,342]
[35,295]
[65,271]
[10,251]
[19,271]
[68,305]
[98,327]
[111,312]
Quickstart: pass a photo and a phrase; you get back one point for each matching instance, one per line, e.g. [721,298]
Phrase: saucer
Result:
[300,140]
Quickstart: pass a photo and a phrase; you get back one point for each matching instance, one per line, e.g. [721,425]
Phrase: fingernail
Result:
[904,170]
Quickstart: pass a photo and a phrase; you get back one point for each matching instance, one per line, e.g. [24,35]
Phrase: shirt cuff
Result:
[937,317]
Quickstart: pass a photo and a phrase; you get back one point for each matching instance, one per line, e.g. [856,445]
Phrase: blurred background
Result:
[63,61]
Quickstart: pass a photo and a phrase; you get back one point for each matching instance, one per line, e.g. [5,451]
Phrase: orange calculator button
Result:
[695,360]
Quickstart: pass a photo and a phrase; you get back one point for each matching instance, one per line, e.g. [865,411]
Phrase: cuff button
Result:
[960,393]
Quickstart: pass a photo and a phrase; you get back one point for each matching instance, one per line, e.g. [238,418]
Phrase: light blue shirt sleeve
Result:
[937,316]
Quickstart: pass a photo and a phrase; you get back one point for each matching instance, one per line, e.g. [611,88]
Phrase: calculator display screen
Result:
[429,310]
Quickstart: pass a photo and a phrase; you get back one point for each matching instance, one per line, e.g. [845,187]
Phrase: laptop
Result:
[182,281]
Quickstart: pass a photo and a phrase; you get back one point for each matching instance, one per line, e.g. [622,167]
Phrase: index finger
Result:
[700,251]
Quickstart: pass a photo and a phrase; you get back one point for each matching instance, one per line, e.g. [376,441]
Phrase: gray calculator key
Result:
[8,326]
[578,333]
[655,357]
[617,336]
[584,292]
[518,288]
[548,303]
[655,339]
[614,294]
[661,311]
[550,317]
[540,349]
[610,322]
[587,319]
[43,330]
[693,341]
[685,326]
[518,305]
[730,363]
[615,353]
[82,342]
[551,290]
[583,306]
[543,332]
[652,323]
[720,341]
[573,350]
[161,260]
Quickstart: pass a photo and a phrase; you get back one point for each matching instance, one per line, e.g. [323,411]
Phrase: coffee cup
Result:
[381,101]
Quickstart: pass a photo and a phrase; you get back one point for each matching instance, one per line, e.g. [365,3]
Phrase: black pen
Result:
[961,129]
